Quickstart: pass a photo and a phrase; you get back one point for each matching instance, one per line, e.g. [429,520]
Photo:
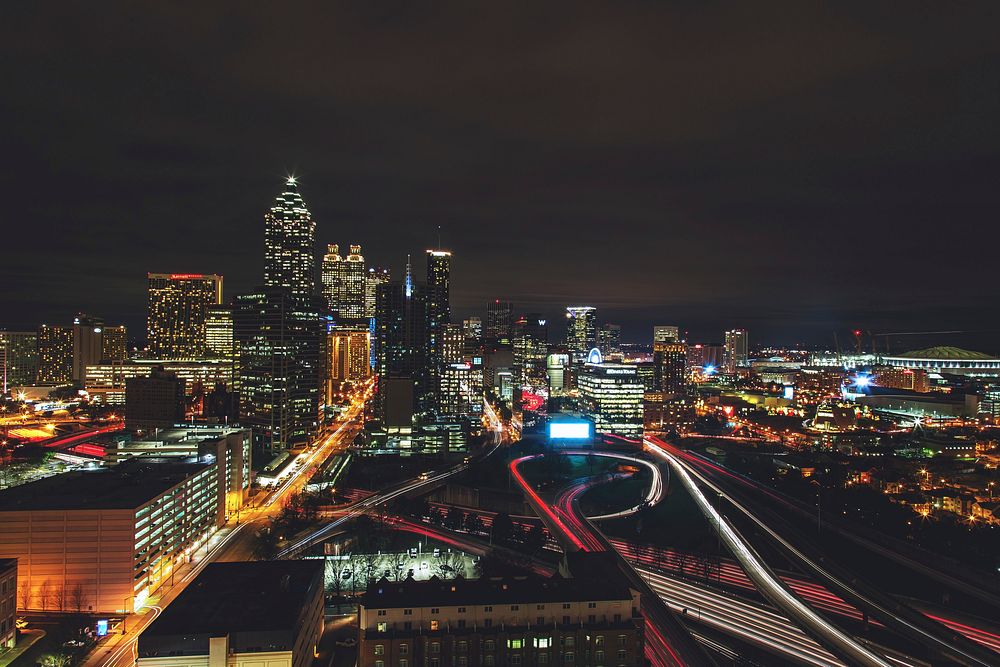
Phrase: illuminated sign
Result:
[569,430]
[619,371]
[186,276]
[789,392]
[102,627]
[594,356]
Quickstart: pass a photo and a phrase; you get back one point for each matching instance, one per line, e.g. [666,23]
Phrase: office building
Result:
[438,289]
[670,364]
[88,344]
[609,340]
[736,354]
[453,344]
[555,368]
[706,357]
[531,349]
[106,382]
[103,540]
[256,614]
[666,333]
[278,346]
[114,344]
[500,622]
[347,353]
[376,276]
[461,390]
[499,321]
[344,284]
[612,396]
[289,244]
[18,359]
[155,401]
[55,354]
[473,328]
[581,331]
[178,305]
[898,377]
[8,604]
[219,333]
[403,351]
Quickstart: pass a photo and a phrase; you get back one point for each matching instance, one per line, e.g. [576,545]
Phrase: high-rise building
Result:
[278,356]
[612,396]
[438,288]
[55,354]
[18,359]
[376,276]
[219,335]
[670,364]
[666,333]
[530,347]
[499,321]
[88,344]
[178,307]
[609,340]
[114,346]
[453,344]
[402,357]
[706,356]
[736,349]
[347,358]
[472,328]
[289,244]
[155,401]
[345,283]
[581,331]
[8,603]
[461,390]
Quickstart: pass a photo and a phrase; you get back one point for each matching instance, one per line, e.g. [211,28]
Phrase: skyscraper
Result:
[345,283]
[666,333]
[289,244]
[438,311]
[736,349]
[530,347]
[64,352]
[178,304]
[114,346]
[376,276]
[581,331]
[55,354]
[499,321]
[472,328]
[609,340]
[402,356]
[670,366]
[18,359]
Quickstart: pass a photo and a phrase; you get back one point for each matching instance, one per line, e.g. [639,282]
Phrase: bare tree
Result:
[446,565]
[59,597]
[397,562]
[45,595]
[77,597]
[24,594]
[369,567]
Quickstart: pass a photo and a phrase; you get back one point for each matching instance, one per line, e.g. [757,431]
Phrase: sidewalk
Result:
[22,646]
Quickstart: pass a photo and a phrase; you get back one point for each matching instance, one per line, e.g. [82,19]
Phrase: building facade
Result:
[155,401]
[612,397]
[736,352]
[344,283]
[581,331]
[499,321]
[500,622]
[55,354]
[178,305]
[289,244]
[18,359]
[670,364]
[8,604]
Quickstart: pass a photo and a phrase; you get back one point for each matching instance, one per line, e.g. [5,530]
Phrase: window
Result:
[463,661]
[565,620]
[381,612]
[435,662]
[543,642]
[380,663]
[407,625]
[461,610]
[407,612]
[543,658]
[515,607]
[435,647]
[379,649]
[622,653]
[591,605]
[383,626]
[435,625]
[463,646]
[568,656]
[618,618]
[461,623]
[599,657]
[489,661]
[488,623]
[515,643]
[539,607]
[435,610]
[490,645]
[487,608]
[622,641]
[515,659]
[599,640]
[565,605]
[591,619]
[540,620]
[569,641]
[404,649]
[403,662]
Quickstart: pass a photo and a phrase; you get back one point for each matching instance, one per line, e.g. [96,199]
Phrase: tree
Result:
[77,597]
[446,565]
[370,566]
[58,659]
[266,544]
[24,594]
[59,597]
[45,595]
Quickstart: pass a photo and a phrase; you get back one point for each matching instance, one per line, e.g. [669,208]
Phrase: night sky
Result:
[787,168]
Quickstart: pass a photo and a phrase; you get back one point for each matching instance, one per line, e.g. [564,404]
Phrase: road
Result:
[230,542]
[892,613]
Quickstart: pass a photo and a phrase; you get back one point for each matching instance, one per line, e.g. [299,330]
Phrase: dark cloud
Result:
[790,167]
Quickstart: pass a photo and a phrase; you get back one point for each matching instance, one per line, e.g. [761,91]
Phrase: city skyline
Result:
[791,177]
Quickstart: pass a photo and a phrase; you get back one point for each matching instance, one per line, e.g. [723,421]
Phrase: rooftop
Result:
[229,598]
[435,592]
[124,486]
[945,352]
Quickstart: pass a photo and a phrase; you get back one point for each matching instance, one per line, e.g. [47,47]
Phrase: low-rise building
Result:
[103,540]
[500,622]
[8,603]
[255,614]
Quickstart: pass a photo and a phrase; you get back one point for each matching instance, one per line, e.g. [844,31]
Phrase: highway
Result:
[892,613]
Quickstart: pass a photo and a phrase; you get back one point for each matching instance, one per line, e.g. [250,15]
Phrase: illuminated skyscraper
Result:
[530,348]
[670,366]
[438,310]
[405,382]
[178,305]
[581,330]
[289,244]
[609,340]
[55,354]
[666,333]
[64,352]
[473,328]
[612,396]
[736,349]
[376,276]
[18,359]
[114,346]
[345,283]
[499,321]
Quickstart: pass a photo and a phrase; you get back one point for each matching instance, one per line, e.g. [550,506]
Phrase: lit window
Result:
[515,643]
[435,625]
[379,649]
[383,626]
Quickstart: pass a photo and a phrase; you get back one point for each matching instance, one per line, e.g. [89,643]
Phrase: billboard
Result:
[581,430]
